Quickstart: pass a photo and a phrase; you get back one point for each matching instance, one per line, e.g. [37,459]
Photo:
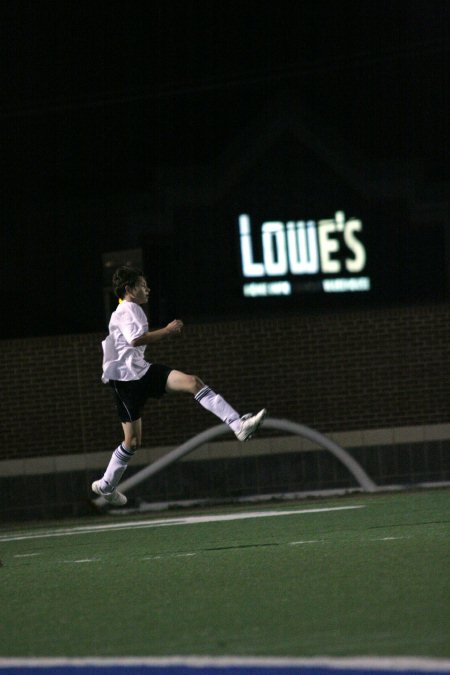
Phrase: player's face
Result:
[141,291]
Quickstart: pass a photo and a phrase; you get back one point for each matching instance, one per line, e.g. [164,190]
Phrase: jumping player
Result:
[133,379]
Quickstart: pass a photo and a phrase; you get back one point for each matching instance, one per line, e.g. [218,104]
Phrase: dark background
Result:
[99,98]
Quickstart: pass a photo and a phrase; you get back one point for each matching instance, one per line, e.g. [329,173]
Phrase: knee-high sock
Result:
[116,467]
[216,404]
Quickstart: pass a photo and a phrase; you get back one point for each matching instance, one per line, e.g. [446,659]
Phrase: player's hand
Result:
[175,327]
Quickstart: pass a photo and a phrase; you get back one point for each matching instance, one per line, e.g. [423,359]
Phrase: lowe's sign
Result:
[332,250]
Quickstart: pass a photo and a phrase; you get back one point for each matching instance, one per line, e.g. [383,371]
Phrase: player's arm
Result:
[173,328]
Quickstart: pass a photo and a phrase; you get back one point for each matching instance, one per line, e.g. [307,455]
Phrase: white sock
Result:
[218,406]
[115,469]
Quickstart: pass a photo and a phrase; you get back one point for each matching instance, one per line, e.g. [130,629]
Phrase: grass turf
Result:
[364,581]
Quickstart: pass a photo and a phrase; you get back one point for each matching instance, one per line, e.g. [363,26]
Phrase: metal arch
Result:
[271,423]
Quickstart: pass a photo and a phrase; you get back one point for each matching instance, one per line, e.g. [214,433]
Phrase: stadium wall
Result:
[385,369]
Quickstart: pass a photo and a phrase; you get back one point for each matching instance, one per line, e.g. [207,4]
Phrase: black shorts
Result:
[131,395]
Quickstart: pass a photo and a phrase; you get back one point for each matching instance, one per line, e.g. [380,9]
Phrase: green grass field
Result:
[372,578]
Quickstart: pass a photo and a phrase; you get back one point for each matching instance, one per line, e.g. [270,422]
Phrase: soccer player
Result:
[133,379]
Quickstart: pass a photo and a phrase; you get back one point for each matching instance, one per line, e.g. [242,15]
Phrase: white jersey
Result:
[122,361]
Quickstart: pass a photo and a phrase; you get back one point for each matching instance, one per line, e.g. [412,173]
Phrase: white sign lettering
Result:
[299,247]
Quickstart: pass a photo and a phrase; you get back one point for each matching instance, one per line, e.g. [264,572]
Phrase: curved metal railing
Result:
[210,434]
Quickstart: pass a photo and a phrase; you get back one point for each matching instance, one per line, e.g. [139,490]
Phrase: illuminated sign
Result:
[300,249]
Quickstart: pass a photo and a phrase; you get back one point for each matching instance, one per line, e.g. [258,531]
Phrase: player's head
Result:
[126,278]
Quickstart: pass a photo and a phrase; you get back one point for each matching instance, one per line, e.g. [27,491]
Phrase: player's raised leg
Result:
[244,427]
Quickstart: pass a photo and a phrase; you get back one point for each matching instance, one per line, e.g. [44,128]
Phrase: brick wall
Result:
[357,370]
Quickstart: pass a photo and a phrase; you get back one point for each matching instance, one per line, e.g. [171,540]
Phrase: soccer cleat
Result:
[115,497]
[249,424]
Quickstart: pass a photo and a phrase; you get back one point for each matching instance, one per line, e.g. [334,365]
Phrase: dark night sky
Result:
[97,95]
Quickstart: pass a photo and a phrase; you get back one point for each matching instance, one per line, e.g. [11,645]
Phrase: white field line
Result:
[339,664]
[389,538]
[193,554]
[167,522]
[165,556]
[83,560]
[307,541]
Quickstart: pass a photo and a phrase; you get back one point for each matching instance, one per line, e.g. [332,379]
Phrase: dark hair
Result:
[125,276]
